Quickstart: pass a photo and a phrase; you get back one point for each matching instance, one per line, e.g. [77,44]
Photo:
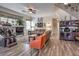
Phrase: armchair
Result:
[39,43]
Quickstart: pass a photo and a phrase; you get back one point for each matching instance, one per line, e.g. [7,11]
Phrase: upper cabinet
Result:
[70,23]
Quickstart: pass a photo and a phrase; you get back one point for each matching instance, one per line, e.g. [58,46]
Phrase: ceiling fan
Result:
[30,10]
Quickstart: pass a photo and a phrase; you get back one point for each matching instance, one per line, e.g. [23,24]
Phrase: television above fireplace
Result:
[19,30]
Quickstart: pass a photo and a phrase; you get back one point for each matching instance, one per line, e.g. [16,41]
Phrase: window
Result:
[3,19]
[30,25]
[12,21]
[9,20]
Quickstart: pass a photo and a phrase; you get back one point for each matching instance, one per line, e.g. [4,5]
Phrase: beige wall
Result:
[48,22]
[55,27]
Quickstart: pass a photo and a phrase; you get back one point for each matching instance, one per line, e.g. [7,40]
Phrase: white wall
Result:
[48,22]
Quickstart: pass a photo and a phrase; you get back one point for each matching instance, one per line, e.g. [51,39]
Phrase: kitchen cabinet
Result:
[73,26]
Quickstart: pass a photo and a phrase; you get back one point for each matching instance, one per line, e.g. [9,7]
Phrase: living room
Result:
[39,29]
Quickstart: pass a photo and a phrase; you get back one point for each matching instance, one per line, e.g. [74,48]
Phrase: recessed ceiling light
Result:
[30,12]
[65,3]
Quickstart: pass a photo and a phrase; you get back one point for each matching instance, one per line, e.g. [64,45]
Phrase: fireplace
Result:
[19,30]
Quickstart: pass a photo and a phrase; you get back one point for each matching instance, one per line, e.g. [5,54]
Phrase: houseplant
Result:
[20,22]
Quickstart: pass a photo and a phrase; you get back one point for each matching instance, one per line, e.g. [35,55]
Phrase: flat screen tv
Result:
[19,30]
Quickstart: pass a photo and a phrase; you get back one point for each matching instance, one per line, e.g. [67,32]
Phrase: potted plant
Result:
[20,22]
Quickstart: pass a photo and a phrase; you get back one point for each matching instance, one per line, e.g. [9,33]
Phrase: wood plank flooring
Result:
[55,47]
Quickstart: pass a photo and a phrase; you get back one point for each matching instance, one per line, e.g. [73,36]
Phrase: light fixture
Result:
[65,3]
[30,12]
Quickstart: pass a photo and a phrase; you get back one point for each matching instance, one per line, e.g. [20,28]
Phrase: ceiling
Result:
[72,9]
[44,9]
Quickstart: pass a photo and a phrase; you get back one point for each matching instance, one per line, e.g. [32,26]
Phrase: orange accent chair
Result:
[39,43]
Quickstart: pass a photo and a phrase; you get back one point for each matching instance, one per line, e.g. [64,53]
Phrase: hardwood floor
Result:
[55,47]
[61,48]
